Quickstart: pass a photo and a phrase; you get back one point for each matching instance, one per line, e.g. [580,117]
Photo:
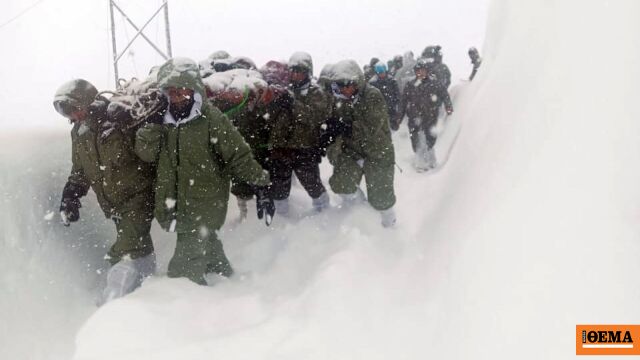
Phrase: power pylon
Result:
[116,56]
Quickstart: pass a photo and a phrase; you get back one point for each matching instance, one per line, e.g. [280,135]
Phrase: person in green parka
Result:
[295,138]
[253,102]
[197,150]
[104,159]
[363,146]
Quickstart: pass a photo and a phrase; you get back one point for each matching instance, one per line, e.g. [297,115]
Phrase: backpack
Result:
[134,103]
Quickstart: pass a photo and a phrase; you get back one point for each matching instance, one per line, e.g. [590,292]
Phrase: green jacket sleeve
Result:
[229,146]
[148,142]
[376,113]
[77,176]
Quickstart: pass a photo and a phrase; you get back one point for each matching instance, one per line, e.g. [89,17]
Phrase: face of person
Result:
[298,76]
[348,90]
[421,73]
[265,96]
[79,115]
[179,96]
[75,113]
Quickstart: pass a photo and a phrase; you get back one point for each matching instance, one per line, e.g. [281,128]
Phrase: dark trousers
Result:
[305,164]
[420,133]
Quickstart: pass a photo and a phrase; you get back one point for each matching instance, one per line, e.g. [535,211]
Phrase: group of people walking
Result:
[173,147]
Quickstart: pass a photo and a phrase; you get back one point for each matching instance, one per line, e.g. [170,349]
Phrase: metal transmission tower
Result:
[116,55]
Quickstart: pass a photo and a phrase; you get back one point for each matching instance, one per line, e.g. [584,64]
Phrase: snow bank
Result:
[530,229]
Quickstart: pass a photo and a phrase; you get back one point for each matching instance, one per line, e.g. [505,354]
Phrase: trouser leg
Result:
[379,178]
[430,139]
[133,238]
[281,171]
[309,175]
[197,254]
[346,176]
[415,135]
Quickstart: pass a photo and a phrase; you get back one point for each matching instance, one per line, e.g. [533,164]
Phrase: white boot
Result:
[354,198]
[282,207]
[126,276]
[321,202]
[242,206]
[388,217]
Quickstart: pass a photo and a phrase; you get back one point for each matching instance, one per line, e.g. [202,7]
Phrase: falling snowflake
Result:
[49,216]
[170,203]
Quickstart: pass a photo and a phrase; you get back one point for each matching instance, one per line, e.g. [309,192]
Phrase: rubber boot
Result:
[242,206]
[353,199]
[126,276]
[321,202]
[388,217]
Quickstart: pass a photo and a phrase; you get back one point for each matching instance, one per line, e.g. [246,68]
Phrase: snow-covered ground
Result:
[531,228]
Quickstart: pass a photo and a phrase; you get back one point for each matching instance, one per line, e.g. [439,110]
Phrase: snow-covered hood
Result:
[78,92]
[181,73]
[348,70]
[302,59]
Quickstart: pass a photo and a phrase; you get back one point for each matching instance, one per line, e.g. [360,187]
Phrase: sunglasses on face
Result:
[298,69]
[343,84]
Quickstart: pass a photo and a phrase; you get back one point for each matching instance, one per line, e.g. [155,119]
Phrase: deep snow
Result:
[530,229]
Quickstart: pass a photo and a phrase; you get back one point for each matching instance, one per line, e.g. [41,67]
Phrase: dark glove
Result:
[393,124]
[69,211]
[264,204]
[70,203]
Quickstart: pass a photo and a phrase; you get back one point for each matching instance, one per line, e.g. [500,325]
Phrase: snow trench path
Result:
[276,266]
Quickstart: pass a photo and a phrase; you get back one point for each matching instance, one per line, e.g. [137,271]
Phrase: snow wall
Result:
[530,229]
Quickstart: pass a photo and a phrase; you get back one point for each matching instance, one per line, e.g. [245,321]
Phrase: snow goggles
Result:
[299,69]
[64,108]
[335,88]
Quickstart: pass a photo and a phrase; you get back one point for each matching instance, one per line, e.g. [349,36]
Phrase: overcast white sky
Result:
[58,40]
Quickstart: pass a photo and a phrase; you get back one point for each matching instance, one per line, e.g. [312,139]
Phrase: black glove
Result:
[264,205]
[332,128]
[394,125]
[70,203]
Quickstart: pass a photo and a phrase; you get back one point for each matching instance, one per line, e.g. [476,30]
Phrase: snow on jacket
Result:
[422,99]
[104,158]
[369,137]
[195,158]
[389,89]
[301,128]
